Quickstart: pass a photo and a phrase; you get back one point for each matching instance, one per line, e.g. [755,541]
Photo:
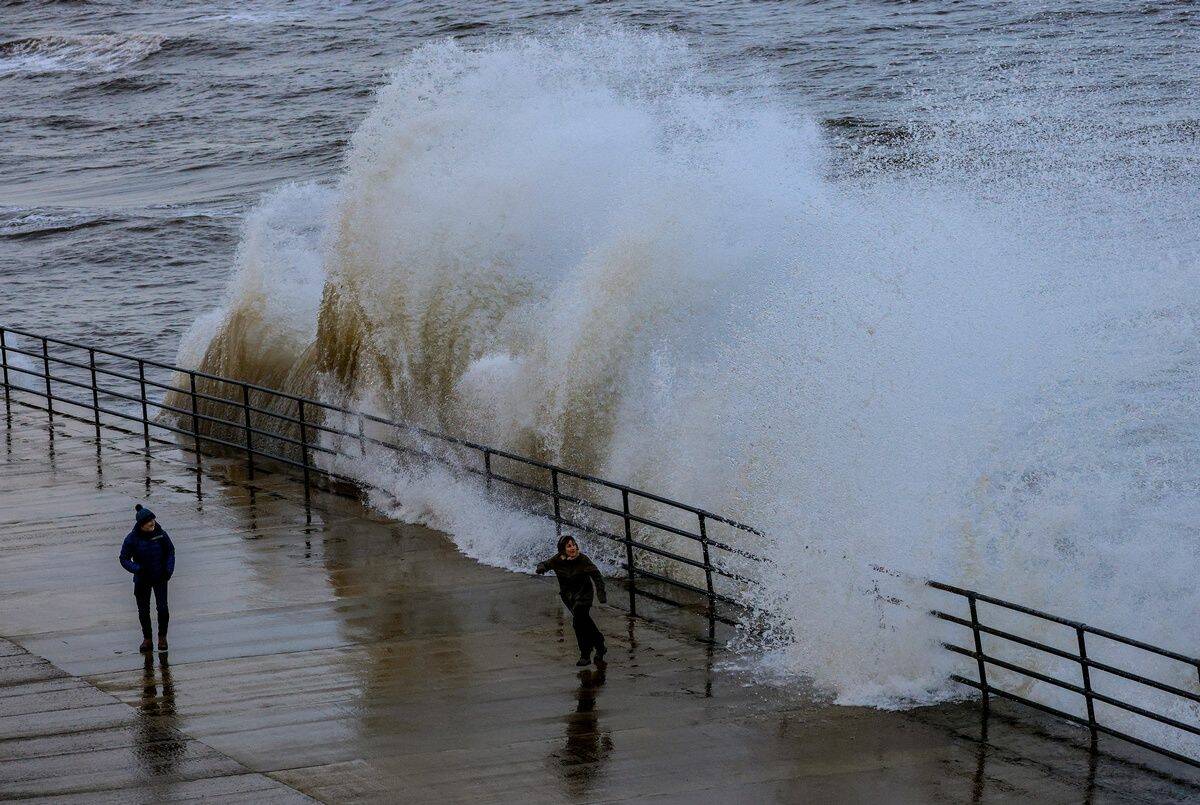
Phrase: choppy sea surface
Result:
[905,284]
[136,134]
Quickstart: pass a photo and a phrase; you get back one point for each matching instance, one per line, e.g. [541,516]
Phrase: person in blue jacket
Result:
[149,555]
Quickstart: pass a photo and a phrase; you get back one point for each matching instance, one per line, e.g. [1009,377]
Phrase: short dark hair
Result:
[562,543]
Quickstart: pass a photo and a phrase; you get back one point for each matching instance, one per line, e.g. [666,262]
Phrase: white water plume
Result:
[567,247]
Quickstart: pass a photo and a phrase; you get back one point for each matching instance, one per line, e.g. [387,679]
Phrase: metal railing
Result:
[1085,685]
[663,559]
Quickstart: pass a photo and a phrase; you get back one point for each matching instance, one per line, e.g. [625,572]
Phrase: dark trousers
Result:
[141,593]
[586,631]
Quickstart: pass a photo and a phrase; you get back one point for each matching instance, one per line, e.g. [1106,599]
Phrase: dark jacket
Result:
[149,557]
[576,577]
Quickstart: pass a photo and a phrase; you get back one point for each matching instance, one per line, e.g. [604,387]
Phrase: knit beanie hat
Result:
[141,514]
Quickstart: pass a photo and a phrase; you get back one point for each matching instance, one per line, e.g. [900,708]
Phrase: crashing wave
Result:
[568,247]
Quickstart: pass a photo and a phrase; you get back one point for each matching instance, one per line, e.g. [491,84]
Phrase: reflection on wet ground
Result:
[587,746]
[157,741]
[61,737]
[356,659]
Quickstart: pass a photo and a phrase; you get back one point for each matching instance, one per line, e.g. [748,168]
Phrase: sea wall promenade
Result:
[319,651]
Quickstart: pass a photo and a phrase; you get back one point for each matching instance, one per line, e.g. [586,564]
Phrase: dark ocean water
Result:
[136,135]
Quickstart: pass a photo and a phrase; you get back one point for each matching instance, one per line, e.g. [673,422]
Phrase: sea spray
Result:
[565,246]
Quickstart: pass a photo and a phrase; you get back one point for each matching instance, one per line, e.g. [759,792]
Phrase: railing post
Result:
[303,445]
[554,489]
[46,371]
[1087,679]
[249,433]
[629,552]
[362,438]
[95,393]
[195,421]
[978,649]
[487,470]
[145,411]
[4,363]
[712,595]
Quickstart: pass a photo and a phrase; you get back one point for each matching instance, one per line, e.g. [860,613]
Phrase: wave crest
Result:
[103,53]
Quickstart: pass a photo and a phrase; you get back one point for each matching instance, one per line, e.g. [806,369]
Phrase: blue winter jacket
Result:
[148,556]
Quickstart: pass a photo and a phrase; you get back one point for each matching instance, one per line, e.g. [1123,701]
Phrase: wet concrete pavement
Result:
[333,654]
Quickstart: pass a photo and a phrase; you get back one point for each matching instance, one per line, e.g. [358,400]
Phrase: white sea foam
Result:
[19,222]
[103,53]
[565,245]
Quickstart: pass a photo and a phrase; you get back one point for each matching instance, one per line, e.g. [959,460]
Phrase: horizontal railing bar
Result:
[1129,641]
[1132,677]
[1017,668]
[241,448]
[1083,722]
[651,548]
[549,494]
[615,538]
[87,406]
[1077,689]
[239,426]
[533,462]
[661,552]
[622,488]
[519,484]
[652,523]
[742,552]
[51,358]
[238,447]
[119,414]
[662,599]
[12,367]
[1001,603]
[670,529]
[1006,635]
[600,507]
[1144,713]
[587,529]
[55,379]
[99,389]
[208,376]
[665,579]
[103,370]
[150,362]
[650,574]
[542,465]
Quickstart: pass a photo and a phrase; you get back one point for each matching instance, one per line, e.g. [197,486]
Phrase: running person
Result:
[576,578]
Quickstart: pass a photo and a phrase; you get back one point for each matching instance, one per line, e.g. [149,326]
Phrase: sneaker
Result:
[147,645]
[162,643]
[600,658]
[582,661]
